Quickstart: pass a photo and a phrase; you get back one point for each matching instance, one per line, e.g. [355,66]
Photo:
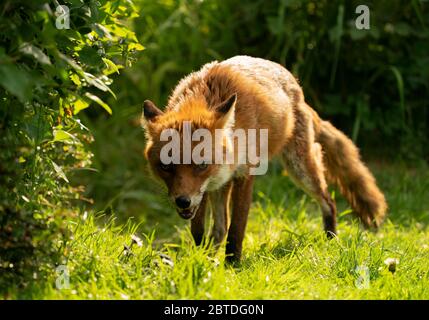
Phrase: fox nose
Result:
[183,202]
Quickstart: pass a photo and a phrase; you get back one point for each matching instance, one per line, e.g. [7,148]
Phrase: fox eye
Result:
[166,167]
[202,166]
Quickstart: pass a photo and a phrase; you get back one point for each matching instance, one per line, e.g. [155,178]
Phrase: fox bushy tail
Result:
[349,173]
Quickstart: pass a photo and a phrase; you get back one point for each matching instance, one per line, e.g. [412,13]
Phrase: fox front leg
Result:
[219,201]
[197,223]
[241,200]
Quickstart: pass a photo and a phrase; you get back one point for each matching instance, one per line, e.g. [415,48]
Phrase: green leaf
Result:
[75,78]
[102,31]
[59,171]
[90,56]
[98,83]
[61,135]
[80,105]
[16,81]
[135,46]
[71,62]
[111,67]
[94,98]
[31,50]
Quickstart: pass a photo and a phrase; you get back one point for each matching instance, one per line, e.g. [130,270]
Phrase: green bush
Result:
[47,76]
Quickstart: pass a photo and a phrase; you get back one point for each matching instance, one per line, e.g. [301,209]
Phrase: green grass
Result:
[286,255]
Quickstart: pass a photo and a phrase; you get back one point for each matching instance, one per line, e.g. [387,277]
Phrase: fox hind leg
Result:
[303,161]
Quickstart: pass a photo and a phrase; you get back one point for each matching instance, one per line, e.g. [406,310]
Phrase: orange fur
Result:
[346,170]
[268,97]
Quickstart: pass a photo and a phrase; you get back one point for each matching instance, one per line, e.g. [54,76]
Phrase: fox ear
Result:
[226,111]
[150,111]
[149,114]
[226,105]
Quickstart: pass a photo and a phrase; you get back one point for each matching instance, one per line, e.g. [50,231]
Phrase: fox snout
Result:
[187,206]
[183,202]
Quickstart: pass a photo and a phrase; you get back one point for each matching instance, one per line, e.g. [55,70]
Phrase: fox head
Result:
[187,181]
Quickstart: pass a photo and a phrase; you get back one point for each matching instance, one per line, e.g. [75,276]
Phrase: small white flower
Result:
[390,261]
[391,264]
[137,240]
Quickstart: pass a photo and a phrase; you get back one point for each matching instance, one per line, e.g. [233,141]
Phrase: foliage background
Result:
[47,76]
[61,154]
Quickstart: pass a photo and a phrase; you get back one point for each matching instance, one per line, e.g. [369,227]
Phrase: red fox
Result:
[252,93]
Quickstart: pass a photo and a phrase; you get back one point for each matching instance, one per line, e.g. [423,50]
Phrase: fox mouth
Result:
[188,213]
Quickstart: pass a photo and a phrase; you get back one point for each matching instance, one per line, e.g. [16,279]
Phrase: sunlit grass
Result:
[286,255]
